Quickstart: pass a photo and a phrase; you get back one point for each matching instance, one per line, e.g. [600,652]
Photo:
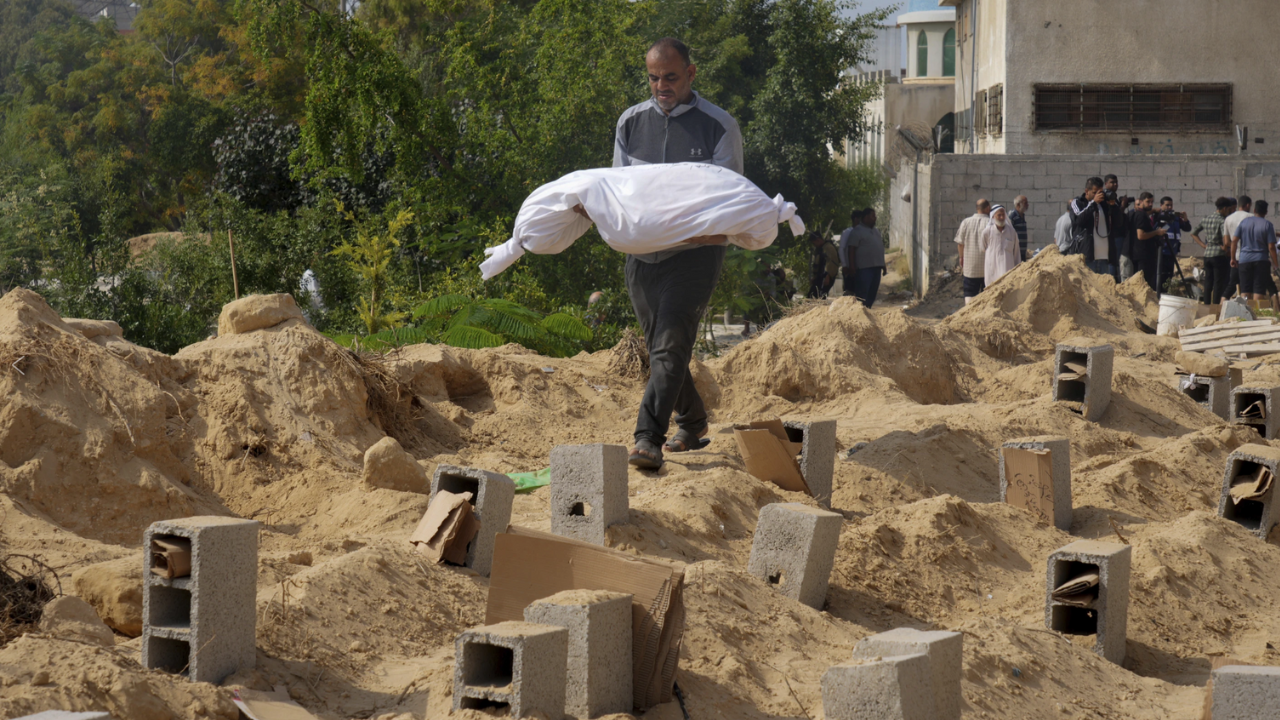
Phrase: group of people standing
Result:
[859,259]
[990,243]
[1239,249]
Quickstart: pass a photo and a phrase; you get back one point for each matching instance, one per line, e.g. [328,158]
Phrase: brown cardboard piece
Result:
[1215,664]
[1075,371]
[530,565]
[1251,488]
[1256,410]
[446,528]
[1079,591]
[258,705]
[1029,474]
[770,455]
[171,556]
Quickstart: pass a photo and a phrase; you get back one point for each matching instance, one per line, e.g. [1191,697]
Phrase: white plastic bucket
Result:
[1175,313]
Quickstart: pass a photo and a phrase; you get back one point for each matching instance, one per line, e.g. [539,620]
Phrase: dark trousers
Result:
[670,298]
[847,280]
[1217,270]
[866,284]
[819,287]
[1233,282]
[1150,259]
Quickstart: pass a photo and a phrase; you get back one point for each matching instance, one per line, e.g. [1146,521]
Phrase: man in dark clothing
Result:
[1174,223]
[823,265]
[846,271]
[670,289]
[1018,218]
[1089,227]
[1149,235]
[1118,258]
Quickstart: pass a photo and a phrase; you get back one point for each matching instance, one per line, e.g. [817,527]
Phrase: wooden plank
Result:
[1219,330]
[1261,348]
[1271,334]
[1224,327]
[1230,342]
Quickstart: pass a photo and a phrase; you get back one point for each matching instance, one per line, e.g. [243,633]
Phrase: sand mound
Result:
[834,350]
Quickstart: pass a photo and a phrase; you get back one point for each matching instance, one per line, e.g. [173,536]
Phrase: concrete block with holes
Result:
[1060,460]
[817,455]
[1211,393]
[65,715]
[588,490]
[1089,395]
[517,666]
[794,549]
[492,495]
[1102,611]
[1257,515]
[892,687]
[598,678]
[1244,692]
[1244,398]
[201,625]
[945,651]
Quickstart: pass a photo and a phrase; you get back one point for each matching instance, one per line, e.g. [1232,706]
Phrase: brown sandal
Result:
[684,441]
[646,455]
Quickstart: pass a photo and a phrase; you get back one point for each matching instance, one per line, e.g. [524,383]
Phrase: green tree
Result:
[369,255]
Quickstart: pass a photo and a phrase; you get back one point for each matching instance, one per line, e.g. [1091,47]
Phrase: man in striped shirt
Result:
[972,258]
[1217,265]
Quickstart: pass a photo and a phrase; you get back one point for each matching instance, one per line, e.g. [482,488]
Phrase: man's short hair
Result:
[1093,182]
[868,211]
[855,215]
[670,44]
[1260,208]
[1166,199]
[1245,201]
[1144,195]
[1223,203]
[1109,178]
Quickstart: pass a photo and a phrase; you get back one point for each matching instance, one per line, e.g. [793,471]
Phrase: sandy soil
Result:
[99,438]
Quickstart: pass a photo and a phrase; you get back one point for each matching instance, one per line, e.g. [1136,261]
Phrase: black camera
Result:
[1110,195]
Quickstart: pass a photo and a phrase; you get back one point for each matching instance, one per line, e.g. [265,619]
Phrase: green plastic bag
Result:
[530,481]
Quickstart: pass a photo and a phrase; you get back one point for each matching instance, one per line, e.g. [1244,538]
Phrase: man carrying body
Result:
[1089,233]
[1253,242]
[972,259]
[1018,219]
[1217,266]
[866,258]
[670,289]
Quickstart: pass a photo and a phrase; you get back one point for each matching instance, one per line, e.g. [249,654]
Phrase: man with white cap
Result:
[999,243]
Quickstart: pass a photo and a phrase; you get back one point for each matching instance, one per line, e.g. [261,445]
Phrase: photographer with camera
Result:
[1119,261]
[1174,223]
[1089,236]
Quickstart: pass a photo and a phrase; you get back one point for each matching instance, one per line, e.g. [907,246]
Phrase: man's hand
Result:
[708,240]
[883,271]
[582,211]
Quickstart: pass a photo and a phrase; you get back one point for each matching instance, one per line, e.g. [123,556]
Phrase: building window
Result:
[922,54]
[995,110]
[980,113]
[949,53]
[1133,107]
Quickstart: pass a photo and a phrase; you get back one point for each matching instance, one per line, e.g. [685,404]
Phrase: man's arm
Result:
[620,156]
[1195,235]
[1235,249]
[728,152]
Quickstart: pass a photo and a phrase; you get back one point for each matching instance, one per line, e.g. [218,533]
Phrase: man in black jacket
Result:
[1089,235]
[1118,251]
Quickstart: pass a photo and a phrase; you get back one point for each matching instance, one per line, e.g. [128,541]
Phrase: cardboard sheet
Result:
[1079,591]
[1252,487]
[770,455]
[1074,371]
[171,556]
[257,705]
[1030,481]
[530,565]
[1257,410]
[446,528]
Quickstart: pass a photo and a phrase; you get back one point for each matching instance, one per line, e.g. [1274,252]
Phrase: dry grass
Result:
[26,585]
[630,357]
[394,406]
[801,307]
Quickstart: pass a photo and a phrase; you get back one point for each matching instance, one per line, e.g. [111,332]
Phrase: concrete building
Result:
[920,95]
[123,12]
[1068,78]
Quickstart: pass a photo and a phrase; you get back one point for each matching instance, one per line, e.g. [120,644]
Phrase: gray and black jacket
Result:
[695,132]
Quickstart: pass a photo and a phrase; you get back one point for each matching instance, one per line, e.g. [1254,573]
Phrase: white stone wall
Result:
[1050,181]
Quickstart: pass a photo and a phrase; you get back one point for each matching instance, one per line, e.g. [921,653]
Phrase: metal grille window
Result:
[995,110]
[1133,107]
[980,113]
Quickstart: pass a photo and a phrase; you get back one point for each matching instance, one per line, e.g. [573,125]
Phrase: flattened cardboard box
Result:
[530,565]
[770,455]
[1029,474]
[446,528]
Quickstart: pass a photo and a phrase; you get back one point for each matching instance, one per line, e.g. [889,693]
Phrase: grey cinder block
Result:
[65,715]
[598,679]
[518,665]
[1257,516]
[203,625]
[1060,458]
[817,455]
[588,490]
[1242,692]
[1243,397]
[1107,617]
[945,651]
[1093,392]
[1211,393]
[895,687]
[794,549]
[492,494]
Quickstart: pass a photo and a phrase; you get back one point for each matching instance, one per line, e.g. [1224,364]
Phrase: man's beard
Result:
[999,224]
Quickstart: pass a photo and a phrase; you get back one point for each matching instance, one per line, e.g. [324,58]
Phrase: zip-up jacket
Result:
[1084,223]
